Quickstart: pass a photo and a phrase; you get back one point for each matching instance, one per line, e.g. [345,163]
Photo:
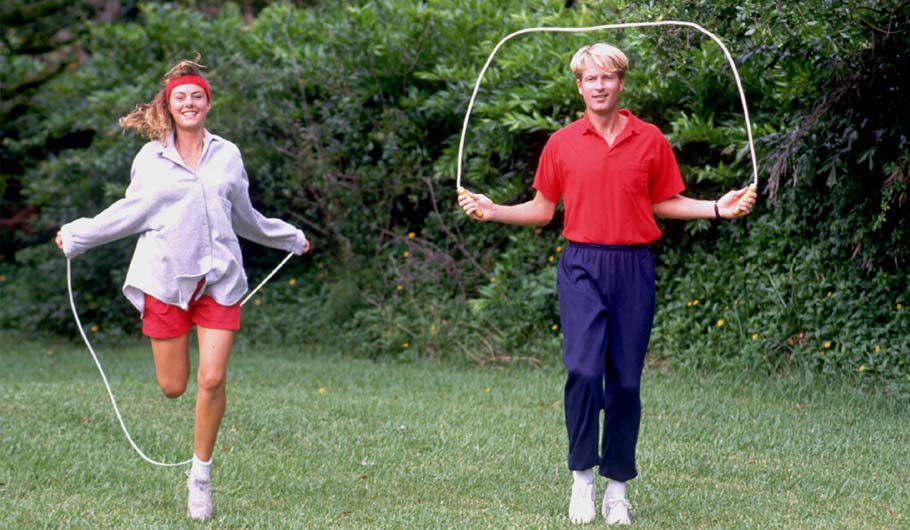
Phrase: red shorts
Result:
[166,321]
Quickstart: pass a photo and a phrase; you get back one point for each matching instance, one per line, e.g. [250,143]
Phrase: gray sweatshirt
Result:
[188,223]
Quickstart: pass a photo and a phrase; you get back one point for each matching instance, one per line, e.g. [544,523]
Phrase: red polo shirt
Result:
[608,191]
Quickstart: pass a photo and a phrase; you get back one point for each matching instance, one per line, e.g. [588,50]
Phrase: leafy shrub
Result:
[349,116]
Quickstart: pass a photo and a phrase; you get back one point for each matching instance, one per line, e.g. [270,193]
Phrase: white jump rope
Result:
[753,187]
[69,288]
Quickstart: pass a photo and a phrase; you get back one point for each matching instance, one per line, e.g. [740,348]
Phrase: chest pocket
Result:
[633,179]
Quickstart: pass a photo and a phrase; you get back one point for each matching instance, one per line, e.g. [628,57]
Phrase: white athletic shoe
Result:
[581,507]
[616,511]
[199,502]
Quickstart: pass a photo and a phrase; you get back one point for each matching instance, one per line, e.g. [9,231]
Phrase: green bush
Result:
[349,115]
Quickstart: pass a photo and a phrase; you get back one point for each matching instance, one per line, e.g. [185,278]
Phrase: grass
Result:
[421,445]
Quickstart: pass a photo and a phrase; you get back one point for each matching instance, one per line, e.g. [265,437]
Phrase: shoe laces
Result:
[198,491]
[613,503]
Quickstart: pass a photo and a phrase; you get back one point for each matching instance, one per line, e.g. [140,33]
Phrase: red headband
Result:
[186,80]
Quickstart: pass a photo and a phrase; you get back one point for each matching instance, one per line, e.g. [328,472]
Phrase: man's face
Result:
[600,90]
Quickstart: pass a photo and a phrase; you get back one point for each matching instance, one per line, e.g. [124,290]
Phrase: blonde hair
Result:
[605,57]
[152,120]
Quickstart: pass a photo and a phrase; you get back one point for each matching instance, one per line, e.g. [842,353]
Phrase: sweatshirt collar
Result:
[169,148]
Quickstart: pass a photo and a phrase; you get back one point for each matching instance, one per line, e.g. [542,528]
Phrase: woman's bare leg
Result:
[172,364]
[214,350]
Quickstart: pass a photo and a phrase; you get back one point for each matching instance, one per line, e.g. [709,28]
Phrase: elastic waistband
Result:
[613,248]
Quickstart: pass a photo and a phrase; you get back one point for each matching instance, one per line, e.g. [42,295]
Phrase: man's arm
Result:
[536,212]
[682,207]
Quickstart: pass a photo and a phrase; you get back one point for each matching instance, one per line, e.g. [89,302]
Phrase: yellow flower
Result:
[877,348]
[538,231]
[321,275]
[720,322]
[321,390]
[399,287]
[558,249]
[50,353]
[258,301]
[899,307]
[821,354]
[695,302]
[862,368]
[487,390]
[433,328]
[829,294]
[551,259]
[755,336]
[554,327]
[94,329]
[827,344]
[411,235]
[292,281]
[726,308]
[492,279]
[406,345]
[406,254]
[688,304]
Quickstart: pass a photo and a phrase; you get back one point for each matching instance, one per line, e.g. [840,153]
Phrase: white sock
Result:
[615,490]
[585,476]
[201,470]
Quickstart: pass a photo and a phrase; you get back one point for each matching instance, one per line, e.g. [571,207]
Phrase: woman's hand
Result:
[59,241]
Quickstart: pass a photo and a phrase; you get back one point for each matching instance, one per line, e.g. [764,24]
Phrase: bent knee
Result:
[171,389]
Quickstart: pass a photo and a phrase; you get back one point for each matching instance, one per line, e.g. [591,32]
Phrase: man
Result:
[613,172]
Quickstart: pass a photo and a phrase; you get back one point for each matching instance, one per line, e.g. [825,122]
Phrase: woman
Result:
[188,200]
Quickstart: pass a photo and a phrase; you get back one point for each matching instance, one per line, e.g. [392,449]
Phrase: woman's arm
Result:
[248,223]
[128,216]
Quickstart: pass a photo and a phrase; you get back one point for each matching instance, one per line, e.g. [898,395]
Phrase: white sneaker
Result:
[199,502]
[616,511]
[581,507]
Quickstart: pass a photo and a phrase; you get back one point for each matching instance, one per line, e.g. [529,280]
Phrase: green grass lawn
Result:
[421,445]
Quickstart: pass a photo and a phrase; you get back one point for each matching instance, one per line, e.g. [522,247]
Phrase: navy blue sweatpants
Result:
[606,305]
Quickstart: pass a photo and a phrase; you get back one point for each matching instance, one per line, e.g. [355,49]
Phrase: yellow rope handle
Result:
[753,187]
[463,191]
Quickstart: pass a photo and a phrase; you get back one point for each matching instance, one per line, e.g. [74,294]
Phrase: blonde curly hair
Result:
[152,120]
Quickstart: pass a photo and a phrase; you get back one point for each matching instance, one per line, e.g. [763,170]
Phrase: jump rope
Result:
[585,29]
[753,186]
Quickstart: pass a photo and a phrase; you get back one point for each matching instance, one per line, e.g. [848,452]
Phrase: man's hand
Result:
[737,203]
[476,205]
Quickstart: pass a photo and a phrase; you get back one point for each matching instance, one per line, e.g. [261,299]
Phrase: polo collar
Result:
[632,126]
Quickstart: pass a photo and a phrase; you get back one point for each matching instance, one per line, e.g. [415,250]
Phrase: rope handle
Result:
[463,191]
